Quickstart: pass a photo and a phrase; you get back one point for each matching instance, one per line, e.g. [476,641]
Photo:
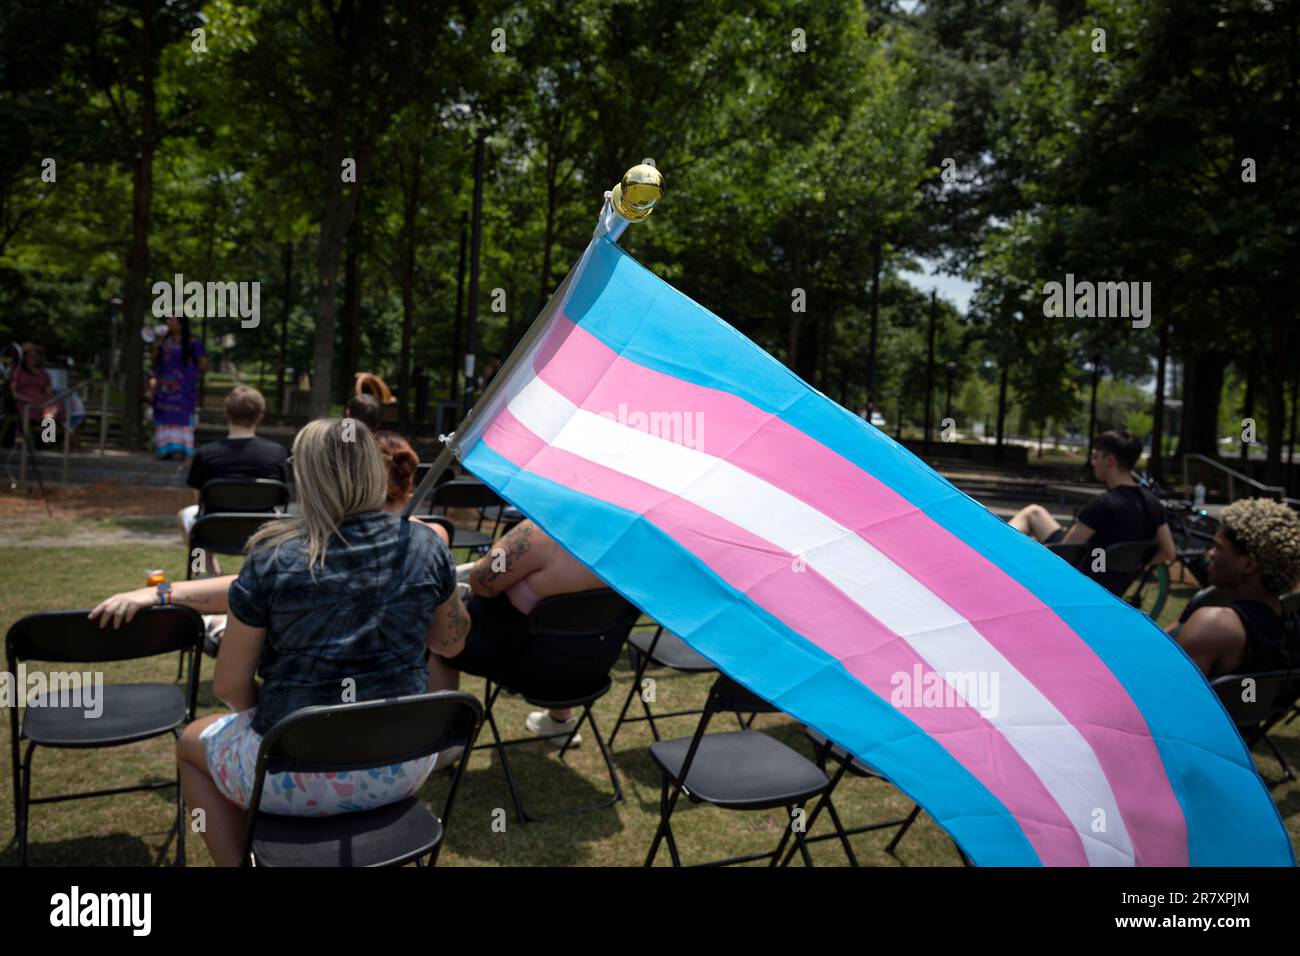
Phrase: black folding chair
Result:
[466,493]
[220,534]
[738,770]
[444,523]
[130,712]
[1073,554]
[223,534]
[846,763]
[592,625]
[662,649]
[425,467]
[1271,696]
[357,737]
[242,496]
[1125,560]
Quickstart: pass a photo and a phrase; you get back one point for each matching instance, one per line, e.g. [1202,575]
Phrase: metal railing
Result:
[1234,476]
[63,398]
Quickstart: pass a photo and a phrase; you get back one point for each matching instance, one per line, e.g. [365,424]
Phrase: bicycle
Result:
[1193,531]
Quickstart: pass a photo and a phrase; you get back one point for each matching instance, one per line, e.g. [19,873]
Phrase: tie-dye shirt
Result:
[358,630]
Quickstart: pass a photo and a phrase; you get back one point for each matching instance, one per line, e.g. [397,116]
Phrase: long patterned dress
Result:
[175,398]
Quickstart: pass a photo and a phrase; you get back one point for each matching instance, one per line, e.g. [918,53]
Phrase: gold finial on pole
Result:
[637,194]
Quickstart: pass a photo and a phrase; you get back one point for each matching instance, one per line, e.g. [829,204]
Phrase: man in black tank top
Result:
[1256,557]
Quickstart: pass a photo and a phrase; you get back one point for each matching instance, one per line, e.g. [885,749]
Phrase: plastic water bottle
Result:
[1199,495]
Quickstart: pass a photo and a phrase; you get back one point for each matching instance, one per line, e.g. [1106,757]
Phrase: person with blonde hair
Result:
[1256,558]
[343,595]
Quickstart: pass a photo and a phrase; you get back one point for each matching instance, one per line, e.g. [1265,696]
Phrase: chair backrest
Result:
[242,495]
[1074,554]
[361,736]
[727,695]
[68,636]
[1129,557]
[463,493]
[227,533]
[1271,695]
[423,469]
[595,613]
[443,522]
[372,733]
[1213,596]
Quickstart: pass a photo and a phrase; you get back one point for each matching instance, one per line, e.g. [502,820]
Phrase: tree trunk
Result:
[1156,466]
[1002,409]
[281,385]
[1275,377]
[875,319]
[351,363]
[410,205]
[456,362]
[340,209]
[929,370]
[1248,406]
[133,299]
[548,236]
[137,258]
[327,268]
[1202,389]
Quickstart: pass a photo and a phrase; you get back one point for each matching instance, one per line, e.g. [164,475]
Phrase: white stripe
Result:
[942,637]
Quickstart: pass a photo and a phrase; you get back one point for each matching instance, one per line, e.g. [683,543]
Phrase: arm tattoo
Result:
[458,622]
[498,562]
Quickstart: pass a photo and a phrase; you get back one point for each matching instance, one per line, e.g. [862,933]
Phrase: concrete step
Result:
[90,468]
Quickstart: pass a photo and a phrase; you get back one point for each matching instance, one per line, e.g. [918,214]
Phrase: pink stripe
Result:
[1072,677]
[820,612]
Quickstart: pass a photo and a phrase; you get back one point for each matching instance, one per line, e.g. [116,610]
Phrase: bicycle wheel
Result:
[1150,591]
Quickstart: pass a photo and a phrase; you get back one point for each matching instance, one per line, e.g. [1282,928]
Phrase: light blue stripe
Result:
[1231,819]
[655,573]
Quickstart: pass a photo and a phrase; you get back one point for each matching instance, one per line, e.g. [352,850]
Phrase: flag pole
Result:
[631,200]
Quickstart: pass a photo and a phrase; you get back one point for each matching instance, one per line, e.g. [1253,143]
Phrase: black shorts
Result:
[551,667]
[1055,537]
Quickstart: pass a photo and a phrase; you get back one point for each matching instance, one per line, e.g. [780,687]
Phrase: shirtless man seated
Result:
[1256,557]
[523,567]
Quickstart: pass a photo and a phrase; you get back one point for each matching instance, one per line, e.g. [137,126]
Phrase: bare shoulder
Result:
[1213,622]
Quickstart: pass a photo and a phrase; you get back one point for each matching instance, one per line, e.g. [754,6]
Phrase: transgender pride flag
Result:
[829,570]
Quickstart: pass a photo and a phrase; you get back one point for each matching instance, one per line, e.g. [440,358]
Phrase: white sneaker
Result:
[542,723]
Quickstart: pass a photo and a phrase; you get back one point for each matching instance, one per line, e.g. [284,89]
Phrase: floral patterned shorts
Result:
[231,745]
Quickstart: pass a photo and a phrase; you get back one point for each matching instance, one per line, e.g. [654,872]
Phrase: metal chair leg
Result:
[911,818]
[636,683]
[604,752]
[666,805]
[785,834]
[1287,773]
[491,694]
[26,804]
[180,812]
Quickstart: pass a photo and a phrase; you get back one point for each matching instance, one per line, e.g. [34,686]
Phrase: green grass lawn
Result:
[136,829]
